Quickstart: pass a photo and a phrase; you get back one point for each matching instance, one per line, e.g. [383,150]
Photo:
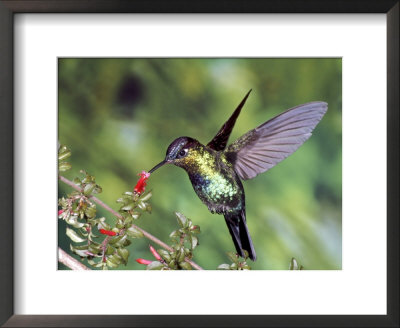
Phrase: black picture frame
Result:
[11,7]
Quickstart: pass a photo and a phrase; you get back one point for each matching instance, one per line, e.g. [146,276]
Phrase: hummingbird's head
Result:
[179,152]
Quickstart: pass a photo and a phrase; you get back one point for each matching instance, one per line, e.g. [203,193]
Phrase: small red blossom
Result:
[155,254]
[141,184]
[107,232]
[60,212]
[143,261]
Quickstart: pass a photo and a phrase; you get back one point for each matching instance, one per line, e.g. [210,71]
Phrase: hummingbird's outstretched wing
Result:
[221,139]
[265,146]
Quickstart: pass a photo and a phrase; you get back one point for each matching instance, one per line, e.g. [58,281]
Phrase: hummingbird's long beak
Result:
[158,165]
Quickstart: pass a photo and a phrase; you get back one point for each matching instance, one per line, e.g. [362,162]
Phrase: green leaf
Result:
[91,262]
[94,247]
[233,257]
[97,189]
[90,212]
[81,247]
[155,265]
[114,240]
[111,264]
[293,264]
[194,241]
[185,265]
[146,197]
[72,220]
[127,242]
[128,222]
[121,241]
[103,225]
[128,207]
[99,264]
[110,250]
[79,250]
[135,215]
[148,208]
[77,224]
[174,234]
[134,233]
[142,206]
[181,219]
[223,267]
[180,255]
[64,155]
[74,236]
[164,254]
[124,253]
[88,189]
[116,259]
[64,166]
[120,224]
[62,148]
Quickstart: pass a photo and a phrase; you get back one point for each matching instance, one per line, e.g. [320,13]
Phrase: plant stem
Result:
[115,213]
[104,248]
[70,262]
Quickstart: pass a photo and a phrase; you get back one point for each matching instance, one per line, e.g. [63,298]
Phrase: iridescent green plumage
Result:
[215,171]
[213,179]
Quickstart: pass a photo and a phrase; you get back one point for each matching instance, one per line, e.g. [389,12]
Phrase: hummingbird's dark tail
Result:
[237,226]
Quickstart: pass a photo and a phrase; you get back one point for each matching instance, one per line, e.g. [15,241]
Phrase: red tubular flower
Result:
[141,184]
[143,261]
[155,254]
[107,232]
[60,212]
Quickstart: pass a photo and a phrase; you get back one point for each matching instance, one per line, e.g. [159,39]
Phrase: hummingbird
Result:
[216,170]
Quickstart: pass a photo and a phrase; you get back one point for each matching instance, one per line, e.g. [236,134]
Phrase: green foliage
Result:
[130,202]
[63,153]
[237,262]
[186,233]
[79,212]
[184,241]
[88,184]
[294,266]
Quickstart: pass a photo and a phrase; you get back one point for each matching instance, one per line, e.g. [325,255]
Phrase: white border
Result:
[360,288]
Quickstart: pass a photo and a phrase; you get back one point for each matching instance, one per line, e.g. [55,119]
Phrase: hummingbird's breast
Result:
[216,183]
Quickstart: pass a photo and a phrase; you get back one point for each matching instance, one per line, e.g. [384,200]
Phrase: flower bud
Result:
[143,261]
[107,232]
[155,254]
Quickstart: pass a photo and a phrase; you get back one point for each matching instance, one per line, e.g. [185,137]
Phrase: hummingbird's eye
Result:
[182,153]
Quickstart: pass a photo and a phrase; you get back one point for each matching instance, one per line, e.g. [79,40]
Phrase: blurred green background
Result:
[118,117]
